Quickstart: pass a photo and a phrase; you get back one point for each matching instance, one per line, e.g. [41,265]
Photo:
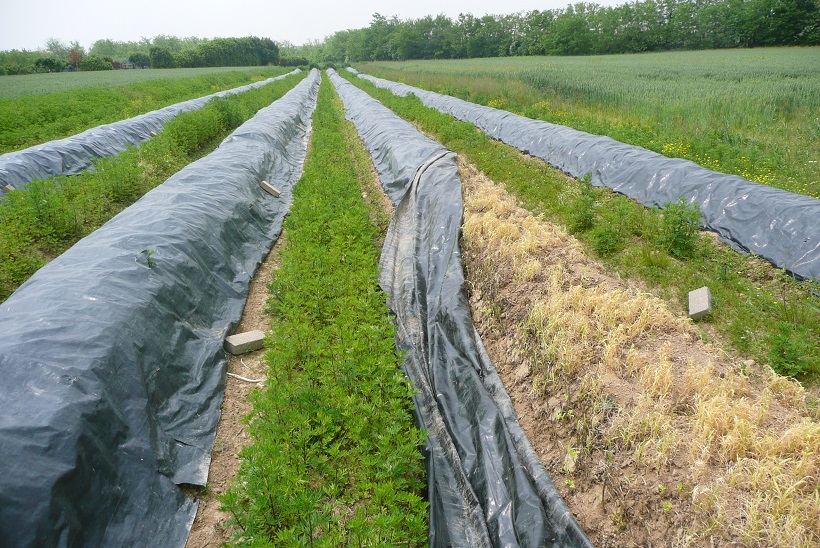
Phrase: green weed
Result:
[792,352]
[607,239]
[680,228]
[582,216]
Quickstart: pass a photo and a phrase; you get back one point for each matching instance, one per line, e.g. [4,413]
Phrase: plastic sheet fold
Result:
[486,485]
[111,355]
[779,226]
[74,154]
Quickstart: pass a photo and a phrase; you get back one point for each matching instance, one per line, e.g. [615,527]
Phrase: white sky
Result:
[27,24]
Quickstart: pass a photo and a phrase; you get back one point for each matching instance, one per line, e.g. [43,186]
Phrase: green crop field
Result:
[335,459]
[752,113]
[41,84]
[88,99]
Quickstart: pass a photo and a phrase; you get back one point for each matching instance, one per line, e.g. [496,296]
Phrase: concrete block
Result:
[700,303]
[242,343]
[8,188]
[270,189]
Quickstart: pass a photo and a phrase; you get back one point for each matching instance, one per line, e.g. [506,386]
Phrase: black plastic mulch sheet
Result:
[779,226]
[73,154]
[111,355]
[486,485]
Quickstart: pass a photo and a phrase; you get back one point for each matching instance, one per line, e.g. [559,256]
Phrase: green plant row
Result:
[759,311]
[335,457]
[46,217]
[33,119]
[746,112]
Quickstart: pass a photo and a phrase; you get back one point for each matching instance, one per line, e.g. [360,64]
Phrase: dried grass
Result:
[638,388]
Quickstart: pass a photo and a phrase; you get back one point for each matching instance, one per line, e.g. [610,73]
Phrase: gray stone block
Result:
[270,189]
[700,303]
[242,343]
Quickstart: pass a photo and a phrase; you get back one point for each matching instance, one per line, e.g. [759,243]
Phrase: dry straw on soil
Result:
[653,436]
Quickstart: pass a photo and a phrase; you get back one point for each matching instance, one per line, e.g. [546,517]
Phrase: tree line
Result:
[159,52]
[579,29]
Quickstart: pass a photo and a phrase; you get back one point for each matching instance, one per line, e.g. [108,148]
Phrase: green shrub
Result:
[161,57]
[608,239]
[49,64]
[680,228]
[139,60]
[582,216]
[92,62]
[792,352]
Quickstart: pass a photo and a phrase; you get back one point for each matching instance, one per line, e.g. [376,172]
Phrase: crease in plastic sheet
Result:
[74,154]
[780,226]
[111,355]
[486,485]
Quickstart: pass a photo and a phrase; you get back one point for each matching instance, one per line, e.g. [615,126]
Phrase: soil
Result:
[210,526]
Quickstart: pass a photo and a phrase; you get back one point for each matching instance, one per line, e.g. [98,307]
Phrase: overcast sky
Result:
[27,24]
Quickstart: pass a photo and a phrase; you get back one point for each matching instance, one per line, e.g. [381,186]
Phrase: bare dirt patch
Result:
[653,437]
[210,526]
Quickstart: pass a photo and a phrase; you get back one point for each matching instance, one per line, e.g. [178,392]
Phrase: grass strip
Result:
[760,311]
[46,217]
[335,457]
[33,119]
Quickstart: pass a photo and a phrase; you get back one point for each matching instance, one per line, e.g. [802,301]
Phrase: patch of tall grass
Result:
[41,84]
[751,113]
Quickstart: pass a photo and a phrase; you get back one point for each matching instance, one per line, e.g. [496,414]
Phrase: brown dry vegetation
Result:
[653,436]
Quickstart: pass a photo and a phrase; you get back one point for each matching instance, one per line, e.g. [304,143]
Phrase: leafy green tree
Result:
[160,57]
[106,48]
[571,33]
[139,60]
[778,22]
[92,63]
[57,48]
[49,64]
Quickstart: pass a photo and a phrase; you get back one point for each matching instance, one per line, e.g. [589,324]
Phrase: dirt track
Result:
[209,527]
